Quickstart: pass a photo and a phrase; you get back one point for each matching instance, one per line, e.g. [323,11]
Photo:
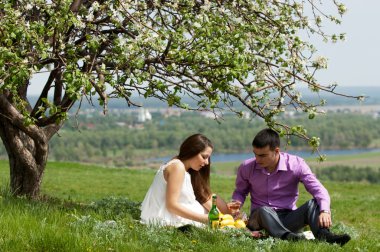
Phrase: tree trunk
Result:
[27,159]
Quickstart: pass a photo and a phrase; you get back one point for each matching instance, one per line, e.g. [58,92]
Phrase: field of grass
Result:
[93,208]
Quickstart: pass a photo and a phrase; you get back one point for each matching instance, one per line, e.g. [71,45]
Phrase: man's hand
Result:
[325,220]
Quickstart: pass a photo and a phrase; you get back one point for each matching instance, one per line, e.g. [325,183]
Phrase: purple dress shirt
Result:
[278,189]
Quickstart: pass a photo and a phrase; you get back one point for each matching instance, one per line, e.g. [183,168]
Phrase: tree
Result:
[219,53]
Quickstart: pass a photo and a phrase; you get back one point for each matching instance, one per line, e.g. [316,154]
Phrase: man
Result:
[272,179]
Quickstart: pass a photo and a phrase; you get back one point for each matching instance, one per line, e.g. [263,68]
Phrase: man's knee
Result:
[312,204]
[255,219]
[264,210]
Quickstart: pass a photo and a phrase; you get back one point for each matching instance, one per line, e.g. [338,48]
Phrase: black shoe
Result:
[294,237]
[334,238]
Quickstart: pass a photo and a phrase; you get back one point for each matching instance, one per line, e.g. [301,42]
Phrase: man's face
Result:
[266,157]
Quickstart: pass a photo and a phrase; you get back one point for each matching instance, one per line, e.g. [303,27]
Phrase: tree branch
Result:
[9,112]
[74,7]
[35,112]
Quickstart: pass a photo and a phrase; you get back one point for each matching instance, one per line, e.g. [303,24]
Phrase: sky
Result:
[353,62]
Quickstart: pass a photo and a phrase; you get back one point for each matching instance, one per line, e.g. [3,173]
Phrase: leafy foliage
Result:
[115,208]
[216,52]
[350,174]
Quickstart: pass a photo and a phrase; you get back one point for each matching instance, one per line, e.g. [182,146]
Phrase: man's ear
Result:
[277,150]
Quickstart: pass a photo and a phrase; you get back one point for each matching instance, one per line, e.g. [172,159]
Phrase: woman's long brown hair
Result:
[192,146]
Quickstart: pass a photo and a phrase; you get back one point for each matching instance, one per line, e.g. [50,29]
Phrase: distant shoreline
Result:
[234,157]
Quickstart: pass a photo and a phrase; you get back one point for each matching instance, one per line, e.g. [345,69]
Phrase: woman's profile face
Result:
[201,159]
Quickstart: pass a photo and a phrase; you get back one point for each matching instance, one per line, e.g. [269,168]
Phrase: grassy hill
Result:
[90,208]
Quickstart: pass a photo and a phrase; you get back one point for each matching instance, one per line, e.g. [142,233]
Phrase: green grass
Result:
[86,183]
[90,208]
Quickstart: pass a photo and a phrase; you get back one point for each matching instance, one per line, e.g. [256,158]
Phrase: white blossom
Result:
[17,13]
[222,10]
[121,42]
[95,6]
[298,7]
[342,9]
[90,17]
[206,6]
[237,20]
[320,62]
[79,23]
[197,25]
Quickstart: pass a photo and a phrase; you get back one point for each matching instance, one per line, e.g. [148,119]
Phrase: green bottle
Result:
[213,215]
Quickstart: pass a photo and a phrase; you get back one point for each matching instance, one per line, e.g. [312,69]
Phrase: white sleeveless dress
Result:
[153,207]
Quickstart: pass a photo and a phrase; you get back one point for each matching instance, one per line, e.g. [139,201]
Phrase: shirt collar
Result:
[281,166]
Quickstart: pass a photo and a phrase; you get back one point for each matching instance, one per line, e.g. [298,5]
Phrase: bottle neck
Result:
[213,201]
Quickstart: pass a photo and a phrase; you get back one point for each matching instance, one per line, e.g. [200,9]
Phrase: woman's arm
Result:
[174,175]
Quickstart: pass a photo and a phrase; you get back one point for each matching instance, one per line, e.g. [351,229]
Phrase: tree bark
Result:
[27,159]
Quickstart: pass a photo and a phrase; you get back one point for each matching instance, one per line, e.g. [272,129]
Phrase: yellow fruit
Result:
[227,217]
[229,226]
[239,224]
[215,224]
[220,216]
[227,222]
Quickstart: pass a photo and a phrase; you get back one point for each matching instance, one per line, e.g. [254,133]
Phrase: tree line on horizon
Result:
[111,144]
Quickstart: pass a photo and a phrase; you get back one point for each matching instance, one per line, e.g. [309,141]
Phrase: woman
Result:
[180,193]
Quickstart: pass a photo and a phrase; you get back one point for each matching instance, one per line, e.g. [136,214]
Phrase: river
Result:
[234,157]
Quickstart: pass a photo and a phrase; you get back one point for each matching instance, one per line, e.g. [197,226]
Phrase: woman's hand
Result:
[205,219]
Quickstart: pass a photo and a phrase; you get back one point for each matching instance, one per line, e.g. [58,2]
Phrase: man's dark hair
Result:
[266,137]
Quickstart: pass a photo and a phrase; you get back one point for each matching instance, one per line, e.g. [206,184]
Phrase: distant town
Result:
[143,115]
[336,104]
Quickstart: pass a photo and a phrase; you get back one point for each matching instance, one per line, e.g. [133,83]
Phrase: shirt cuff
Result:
[324,207]
[238,198]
